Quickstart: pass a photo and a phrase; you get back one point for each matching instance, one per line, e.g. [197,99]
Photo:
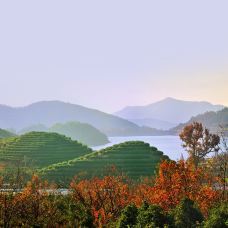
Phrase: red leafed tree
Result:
[34,206]
[143,192]
[105,197]
[177,180]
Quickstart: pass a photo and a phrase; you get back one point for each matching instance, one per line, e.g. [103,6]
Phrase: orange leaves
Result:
[178,180]
[175,181]
[104,196]
[206,198]
[33,203]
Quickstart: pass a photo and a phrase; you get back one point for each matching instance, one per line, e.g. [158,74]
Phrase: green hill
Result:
[36,127]
[211,120]
[135,158]
[81,132]
[39,149]
[5,134]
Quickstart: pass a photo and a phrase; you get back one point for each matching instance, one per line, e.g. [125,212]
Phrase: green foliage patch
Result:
[40,149]
[135,159]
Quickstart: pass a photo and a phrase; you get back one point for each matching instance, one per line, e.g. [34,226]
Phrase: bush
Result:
[186,214]
[151,216]
[218,217]
[128,217]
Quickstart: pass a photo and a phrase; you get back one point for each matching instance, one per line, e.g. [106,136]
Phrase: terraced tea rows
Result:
[41,149]
[58,158]
[136,159]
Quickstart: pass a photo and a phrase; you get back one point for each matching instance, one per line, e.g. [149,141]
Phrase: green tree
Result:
[186,214]
[218,217]
[151,216]
[128,217]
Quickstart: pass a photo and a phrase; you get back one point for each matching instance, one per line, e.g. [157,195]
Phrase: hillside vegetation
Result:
[58,158]
[81,132]
[135,158]
[211,120]
[84,133]
[39,149]
[36,127]
[5,134]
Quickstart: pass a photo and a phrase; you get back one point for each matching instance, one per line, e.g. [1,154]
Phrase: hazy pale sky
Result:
[109,54]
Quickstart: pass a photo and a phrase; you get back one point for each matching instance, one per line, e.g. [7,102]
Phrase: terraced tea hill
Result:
[40,149]
[135,158]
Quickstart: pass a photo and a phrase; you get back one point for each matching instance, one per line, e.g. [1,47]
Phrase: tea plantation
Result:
[40,149]
[58,158]
[135,159]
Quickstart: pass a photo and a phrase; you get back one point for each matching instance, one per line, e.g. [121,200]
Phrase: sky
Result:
[111,54]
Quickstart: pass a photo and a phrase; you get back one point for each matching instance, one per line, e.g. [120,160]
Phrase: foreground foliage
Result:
[179,196]
[218,217]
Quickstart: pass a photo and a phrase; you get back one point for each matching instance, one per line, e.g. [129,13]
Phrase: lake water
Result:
[169,145]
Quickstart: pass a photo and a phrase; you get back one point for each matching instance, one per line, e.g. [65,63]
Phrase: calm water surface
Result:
[169,145]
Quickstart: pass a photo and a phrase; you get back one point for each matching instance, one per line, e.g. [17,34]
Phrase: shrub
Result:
[218,217]
[186,214]
[128,217]
[151,216]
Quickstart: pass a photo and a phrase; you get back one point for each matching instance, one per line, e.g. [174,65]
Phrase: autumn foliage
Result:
[175,181]
[199,142]
[105,198]
[99,202]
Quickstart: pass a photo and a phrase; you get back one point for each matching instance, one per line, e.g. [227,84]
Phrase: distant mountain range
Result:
[49,113]
[166,113]
[211,120]
[154,123]
[162,115]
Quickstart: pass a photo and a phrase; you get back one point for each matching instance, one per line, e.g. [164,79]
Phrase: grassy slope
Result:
[41,149]
[135,158]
